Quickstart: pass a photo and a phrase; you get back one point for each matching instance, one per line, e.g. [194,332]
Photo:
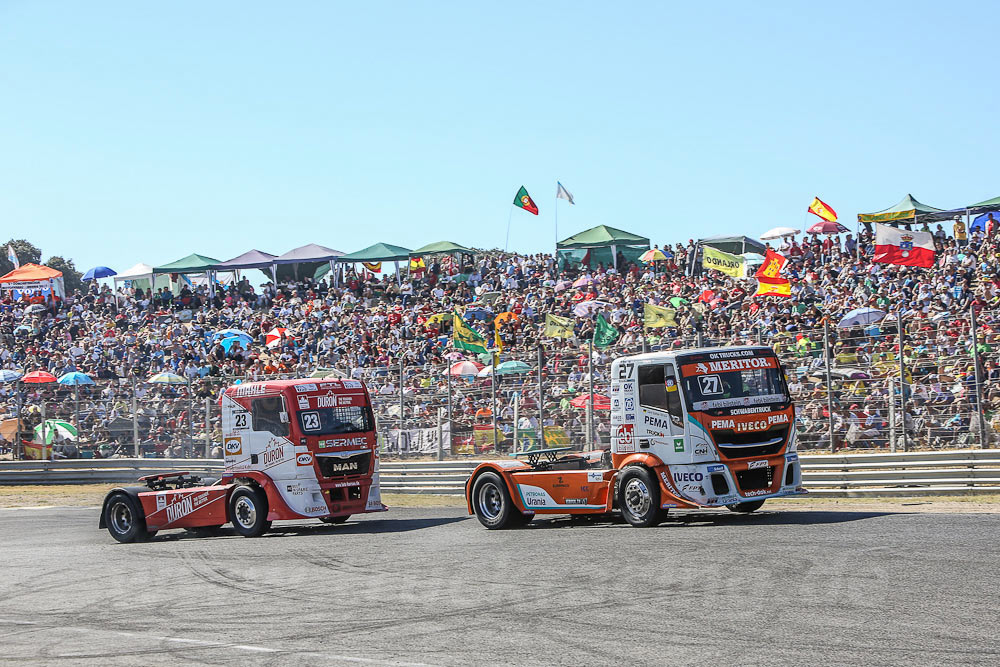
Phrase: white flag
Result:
[12,256]
[563,193]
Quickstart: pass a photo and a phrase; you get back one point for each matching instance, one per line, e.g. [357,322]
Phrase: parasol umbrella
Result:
[22,327]
[52,428]
[600,402]
[99,272]
[677,301]
[562,284]
[486,372]
[38,377]
[276,336]
[827,227]
[75,378]
[7,375]
[505,316]
[227,333]
[166,378]
[860,317]
[452,356]
[585,308]
[653,255]
[513,367]
[34,308]
[583,281]
[477,314]
[465,368]
[778,233]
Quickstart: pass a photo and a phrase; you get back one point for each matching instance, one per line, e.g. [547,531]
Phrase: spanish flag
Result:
[818,207]
[769,280]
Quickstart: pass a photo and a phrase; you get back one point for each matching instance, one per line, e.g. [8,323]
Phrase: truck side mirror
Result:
[283,417]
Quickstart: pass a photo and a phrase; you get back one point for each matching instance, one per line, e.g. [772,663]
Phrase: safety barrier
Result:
[838,475]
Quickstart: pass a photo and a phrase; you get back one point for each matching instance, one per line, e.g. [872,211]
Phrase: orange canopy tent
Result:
[32,277]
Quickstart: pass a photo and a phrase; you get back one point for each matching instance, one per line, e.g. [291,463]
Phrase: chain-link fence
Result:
[853,390]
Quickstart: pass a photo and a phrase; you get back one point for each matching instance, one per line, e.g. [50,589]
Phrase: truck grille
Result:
[758,478]
[743,445]
[348,466]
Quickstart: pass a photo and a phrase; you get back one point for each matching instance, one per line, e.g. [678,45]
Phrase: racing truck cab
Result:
[293,449]
[712,427]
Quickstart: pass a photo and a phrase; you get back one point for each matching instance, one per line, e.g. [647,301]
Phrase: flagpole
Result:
[555,208]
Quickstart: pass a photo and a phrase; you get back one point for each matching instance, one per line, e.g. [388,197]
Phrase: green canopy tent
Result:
[441,248]
[984,206]
[907,211]
[603,236]
[380,252]
[193,263]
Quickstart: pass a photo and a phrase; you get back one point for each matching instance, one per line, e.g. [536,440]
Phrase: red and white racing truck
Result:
[294,449]
[709,427]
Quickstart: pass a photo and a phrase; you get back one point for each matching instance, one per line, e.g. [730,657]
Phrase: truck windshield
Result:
[331,421]
[711,384]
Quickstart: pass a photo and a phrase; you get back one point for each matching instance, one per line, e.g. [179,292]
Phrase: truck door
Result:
[661,415]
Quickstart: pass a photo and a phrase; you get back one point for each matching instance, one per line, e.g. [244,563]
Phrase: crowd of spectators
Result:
[367,326]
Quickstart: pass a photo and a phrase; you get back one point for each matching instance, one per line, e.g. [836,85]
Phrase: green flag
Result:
[604,333]
[465,337]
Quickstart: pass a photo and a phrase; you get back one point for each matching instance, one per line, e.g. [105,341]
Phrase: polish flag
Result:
[898,246]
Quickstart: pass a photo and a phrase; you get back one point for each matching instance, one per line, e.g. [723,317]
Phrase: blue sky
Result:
[141,132]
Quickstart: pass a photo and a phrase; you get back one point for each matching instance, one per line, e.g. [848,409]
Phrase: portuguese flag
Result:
[523,200]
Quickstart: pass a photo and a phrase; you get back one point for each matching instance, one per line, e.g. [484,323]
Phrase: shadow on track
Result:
[359,527]
[694,518]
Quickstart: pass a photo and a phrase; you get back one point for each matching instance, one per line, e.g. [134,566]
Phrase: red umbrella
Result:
[275,336]
[465,368]
[38,377]
[600,402]
[827,227]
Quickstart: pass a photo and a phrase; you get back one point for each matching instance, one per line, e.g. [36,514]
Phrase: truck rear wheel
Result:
[639,498]
[492,504]
[248,511]
[125,519]
[747,507]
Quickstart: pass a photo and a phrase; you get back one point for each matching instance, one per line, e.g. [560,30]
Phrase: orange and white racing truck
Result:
[711,427]
[294,449]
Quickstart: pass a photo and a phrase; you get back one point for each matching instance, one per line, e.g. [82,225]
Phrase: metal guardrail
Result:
[837,475]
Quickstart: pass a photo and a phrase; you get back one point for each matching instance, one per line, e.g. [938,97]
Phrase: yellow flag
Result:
[497,342]
[558,327]
[723,262]
[654,317]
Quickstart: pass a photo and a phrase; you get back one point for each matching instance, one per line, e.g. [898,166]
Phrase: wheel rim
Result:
[121,518]
[637,497]
[490,501]
[245,512]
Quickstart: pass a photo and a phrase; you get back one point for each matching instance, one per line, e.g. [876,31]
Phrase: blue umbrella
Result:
[7,375]
[99,272]
[75,377]
[227,333]
[228,342]
[860,317]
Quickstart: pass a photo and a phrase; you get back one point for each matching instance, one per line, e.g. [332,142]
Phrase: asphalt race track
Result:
[431,586]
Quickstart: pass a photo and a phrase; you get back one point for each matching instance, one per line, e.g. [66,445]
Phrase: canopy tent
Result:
[193,263]
[251,259]
[305,260]
[141,276]
[34,277]
[441,248]
[380,252]
[734,245]
[603,236]
[908,209]
[984,206]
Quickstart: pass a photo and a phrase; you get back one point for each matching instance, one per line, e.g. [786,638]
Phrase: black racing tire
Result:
[639,497]
[747,507]
[125,519]
[248,511]
[492,503]
[335,519]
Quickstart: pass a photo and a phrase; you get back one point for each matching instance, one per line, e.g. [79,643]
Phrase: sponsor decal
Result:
[625,437]
[678,445]
[303,388]
[250,390]
[304,459]
[729,365]
[688,477]
[595,476]
[750,411]
[749,425]
[625,370]
[576,501]
[326,401]
[303,402]
[716,468]
[295,489]
[693,489]
[184,505]
[341,485]
[241,420]
[352,384]
[161,502]
[666,505]
[233,446]
[756,492]
[792,457]
[757,464]
[701,450]
[273,455]
[655,432]
[653,420]
[615,387]
[346,466]
[666,482]
[630,403]
[312,509]
[534,498]
[629,418]
[560,484]
[710,384]
[628,387]
[615,403]
[345,400]
[733,402]
[358,441]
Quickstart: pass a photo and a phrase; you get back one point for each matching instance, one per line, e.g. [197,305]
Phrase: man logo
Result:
[234,446]
[304,459]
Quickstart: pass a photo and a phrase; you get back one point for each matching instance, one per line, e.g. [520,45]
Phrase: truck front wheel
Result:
[747,507]
[639,497]
[492,503]
[124,518]
[248,511]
